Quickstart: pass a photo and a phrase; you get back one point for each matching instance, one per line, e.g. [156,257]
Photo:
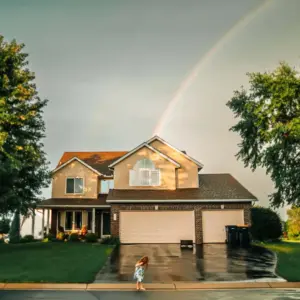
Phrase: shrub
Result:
[293,223]
[27,239]
[91,238]
[4,226]
[266,224]
[111,240]
[74,237]
[50,237]
[1,241]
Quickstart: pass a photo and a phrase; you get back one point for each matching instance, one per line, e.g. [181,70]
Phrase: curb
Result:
[175,286]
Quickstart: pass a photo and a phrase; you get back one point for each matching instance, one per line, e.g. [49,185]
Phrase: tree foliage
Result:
[4,225]
[266,224]
[269,125]
[23,165]
[14,232]
[293,223]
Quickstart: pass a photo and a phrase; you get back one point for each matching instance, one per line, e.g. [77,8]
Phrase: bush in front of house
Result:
[49,236]
[4,226]
[91,238]
[74,237]
[27,239]
[266,224]
[111,241]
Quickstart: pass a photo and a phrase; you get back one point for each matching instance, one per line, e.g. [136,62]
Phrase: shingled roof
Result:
[97,160]
[75,202]
[211,187]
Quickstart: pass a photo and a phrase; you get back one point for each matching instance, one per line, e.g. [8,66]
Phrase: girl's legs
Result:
[141,287]
[137,285]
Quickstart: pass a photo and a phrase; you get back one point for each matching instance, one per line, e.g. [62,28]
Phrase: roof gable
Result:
[150,148]
[183,153]
[97,161]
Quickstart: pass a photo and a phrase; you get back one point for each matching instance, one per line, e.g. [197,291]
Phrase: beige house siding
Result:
[188,172]
[167,170]
[75,169]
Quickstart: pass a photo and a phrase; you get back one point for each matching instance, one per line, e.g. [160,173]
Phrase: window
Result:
[74,186]
[73,217]
[69,220]
[106,185]
[144,174]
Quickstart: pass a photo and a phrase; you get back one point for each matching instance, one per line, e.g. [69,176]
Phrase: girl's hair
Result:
[144,260]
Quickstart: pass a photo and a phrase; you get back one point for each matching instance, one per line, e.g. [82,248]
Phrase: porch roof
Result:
[75,202]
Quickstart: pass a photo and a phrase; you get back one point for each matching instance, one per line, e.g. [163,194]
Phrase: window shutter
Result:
[155,178]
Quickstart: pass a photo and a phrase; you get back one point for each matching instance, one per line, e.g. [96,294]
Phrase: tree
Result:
[23,165]
[266,224]
[293,223]
[14,232]
[269,125]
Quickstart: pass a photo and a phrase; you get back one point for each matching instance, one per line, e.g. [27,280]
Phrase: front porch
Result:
[71,216]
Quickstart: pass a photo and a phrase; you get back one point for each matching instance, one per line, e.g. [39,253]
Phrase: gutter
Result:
[91,206]
[183,201]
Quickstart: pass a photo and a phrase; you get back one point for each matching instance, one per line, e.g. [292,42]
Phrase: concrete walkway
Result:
[150,286]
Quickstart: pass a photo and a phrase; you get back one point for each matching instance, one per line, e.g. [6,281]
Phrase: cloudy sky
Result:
[110,69]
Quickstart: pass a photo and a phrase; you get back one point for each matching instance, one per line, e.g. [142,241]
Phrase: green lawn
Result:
[288,254]
[52,262]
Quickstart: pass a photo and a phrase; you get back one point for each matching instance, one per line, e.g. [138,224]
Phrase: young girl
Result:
[139,272]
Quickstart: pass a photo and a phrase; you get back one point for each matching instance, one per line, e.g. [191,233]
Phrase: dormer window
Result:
[74,185]
[144,173]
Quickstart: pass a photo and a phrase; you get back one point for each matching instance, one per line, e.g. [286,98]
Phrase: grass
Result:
[52,262]
[288,254]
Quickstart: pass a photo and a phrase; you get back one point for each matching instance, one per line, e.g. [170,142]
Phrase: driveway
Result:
[211,262]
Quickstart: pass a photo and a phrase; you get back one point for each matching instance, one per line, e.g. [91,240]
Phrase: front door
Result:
[105,223]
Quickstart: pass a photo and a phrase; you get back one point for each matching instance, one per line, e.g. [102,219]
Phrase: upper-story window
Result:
[106,185]
[144,173]
[74,185]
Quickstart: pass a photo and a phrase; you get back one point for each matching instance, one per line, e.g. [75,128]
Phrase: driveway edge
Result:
[175,286]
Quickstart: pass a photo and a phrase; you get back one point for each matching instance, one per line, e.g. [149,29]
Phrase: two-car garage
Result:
[173,226]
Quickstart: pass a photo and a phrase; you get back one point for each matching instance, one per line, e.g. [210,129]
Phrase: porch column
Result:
[48,220]
[33,222]
[93,220]
[43,223]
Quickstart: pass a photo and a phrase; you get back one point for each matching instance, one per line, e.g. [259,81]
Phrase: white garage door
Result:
[214,222]
[156,227]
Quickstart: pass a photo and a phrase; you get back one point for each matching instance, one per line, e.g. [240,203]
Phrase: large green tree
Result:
[269,126]
[23,164]
[293,223]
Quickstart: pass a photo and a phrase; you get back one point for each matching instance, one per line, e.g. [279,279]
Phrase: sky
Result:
[110,69]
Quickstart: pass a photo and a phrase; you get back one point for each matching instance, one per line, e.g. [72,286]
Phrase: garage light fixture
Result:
[156,207]
[222,206]
[115,217]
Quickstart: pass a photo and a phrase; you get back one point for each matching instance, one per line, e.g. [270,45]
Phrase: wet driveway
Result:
[211,262]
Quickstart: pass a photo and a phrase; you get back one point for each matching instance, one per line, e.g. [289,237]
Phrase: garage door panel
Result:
[156,227]
[214,222]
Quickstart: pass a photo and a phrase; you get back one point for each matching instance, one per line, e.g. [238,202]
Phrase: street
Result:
[152,295]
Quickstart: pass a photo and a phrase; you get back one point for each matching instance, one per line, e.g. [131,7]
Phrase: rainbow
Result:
[189,80]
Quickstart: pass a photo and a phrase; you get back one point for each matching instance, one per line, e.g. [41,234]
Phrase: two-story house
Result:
[154,193]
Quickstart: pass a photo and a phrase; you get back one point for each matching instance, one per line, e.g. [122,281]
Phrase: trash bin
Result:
[231,235]
[244,236]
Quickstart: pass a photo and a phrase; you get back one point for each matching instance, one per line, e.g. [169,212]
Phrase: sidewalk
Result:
[175,286]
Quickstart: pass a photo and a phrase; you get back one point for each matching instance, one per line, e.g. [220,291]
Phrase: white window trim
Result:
[137,184]
[100,190]
[73,219]
[83,185]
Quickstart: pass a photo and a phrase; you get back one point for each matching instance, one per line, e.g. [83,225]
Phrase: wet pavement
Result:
[169,263]
[179,295]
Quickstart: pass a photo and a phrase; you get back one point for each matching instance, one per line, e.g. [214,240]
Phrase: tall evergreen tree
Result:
[23,164]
